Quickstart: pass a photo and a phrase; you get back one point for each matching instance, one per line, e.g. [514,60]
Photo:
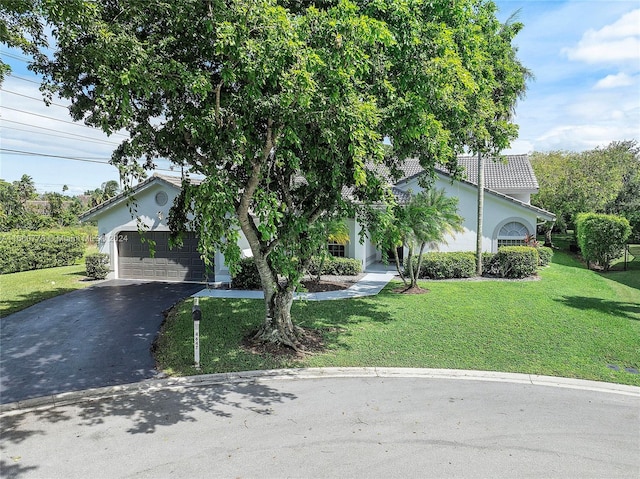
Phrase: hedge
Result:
[545,254]
[436,265]
[335,266]
[247,276]
[516,261]
[601,238]
[28,250]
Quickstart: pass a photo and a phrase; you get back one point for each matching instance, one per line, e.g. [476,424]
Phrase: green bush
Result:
[335,266]
[436,265]
[601,238]
[516,261]
[545,254]
[489,267]
[97,265]
[247,276]
[28,250]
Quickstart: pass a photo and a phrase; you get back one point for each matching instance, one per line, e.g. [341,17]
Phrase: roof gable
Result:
[171,181]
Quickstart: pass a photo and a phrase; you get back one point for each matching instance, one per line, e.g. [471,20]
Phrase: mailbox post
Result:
[196,313]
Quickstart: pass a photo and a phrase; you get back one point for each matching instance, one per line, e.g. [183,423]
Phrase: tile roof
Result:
[511,173]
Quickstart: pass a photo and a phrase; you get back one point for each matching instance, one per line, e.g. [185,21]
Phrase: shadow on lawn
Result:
[8,307]
[138,413]
[615,308]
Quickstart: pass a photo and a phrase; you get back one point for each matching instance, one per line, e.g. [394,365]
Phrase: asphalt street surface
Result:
[342,427]
[98,336]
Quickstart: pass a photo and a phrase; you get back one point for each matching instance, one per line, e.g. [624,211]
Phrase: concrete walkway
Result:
[370,285]
[325,423]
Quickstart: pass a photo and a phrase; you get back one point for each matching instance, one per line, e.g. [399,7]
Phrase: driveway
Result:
[99,336]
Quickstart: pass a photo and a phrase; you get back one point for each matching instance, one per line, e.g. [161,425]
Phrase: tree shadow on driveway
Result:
[94,337]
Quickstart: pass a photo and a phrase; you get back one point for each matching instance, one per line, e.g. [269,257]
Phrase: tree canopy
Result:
[282,107]
[602,180]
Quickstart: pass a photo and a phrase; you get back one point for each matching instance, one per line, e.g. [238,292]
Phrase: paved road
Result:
[93,337]
[342,427]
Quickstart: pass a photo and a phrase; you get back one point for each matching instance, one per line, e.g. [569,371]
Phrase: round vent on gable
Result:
[161,198]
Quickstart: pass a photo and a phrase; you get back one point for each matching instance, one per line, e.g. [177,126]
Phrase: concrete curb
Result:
[153,385]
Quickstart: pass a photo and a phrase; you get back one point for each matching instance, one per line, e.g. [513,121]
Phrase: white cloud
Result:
[579,137]
[614,81]
[616,43]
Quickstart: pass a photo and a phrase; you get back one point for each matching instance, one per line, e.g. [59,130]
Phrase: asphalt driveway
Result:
[98,336]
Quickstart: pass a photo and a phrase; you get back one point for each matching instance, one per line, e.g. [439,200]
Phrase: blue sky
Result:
[585,56]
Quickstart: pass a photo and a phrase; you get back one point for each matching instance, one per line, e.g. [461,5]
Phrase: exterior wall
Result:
[116,220]
[497,212]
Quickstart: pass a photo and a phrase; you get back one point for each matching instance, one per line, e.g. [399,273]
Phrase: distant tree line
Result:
[21,207]
[602,180]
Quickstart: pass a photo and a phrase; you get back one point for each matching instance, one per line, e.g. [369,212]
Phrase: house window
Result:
[337,250]
[512,234]
[161,198]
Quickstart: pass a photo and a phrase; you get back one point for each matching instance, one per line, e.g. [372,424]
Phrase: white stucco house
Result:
[508,218]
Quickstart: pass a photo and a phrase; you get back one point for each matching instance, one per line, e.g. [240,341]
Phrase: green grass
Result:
[26,288]
[572,323]
[21,290]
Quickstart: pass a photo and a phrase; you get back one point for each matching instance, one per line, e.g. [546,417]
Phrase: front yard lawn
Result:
[572,323]
[21,290]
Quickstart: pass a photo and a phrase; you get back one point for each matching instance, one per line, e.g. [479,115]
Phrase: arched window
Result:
[512,234]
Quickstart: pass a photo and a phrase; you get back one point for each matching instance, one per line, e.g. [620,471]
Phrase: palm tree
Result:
[428,219]
[510,85]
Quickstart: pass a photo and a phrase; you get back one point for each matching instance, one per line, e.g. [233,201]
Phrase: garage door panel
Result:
[179,264]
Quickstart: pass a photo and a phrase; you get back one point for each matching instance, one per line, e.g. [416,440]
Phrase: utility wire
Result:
[71,158]
[24,79]
[15,57]
[54,119]
[33,98]
[88,138]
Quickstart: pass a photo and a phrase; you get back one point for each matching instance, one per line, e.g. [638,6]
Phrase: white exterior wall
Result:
[117,218]
[497,212]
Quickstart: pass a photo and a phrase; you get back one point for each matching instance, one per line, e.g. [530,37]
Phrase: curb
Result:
[153,385]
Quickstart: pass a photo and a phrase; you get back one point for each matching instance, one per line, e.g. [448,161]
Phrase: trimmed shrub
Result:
[545,254]
[489,265]
[335,266]
[436,265]
[28,250]
[247,276]
[97,265]
[516,261]
[602,238]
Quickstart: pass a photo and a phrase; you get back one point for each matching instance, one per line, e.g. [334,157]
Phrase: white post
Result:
[197,314]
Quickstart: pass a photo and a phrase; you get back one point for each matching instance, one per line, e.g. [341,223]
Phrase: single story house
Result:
[508,218]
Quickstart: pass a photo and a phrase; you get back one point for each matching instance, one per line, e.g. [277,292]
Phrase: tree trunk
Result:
[412,274]
[414,283]
[401,273]
[480,214]
[278,328]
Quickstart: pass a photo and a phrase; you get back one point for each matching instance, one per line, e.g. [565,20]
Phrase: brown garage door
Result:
[179,264]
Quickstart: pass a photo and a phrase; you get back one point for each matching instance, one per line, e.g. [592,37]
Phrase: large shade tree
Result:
[282,106]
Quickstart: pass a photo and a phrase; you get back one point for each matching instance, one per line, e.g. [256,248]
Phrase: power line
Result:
[88,138]
[100,160]
[15,57]
[71,158]
[24,79]
[33,98]
[54,119]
